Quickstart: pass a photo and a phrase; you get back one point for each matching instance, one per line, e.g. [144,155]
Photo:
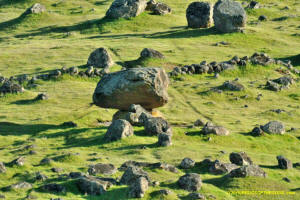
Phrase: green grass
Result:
[65,36]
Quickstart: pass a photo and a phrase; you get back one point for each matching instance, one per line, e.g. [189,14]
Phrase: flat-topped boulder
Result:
[144,86]
[126,9]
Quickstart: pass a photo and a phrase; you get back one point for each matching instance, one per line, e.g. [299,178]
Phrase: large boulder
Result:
[92,185]
[229,16]
[199,15]
[274,127]
[144,86]
[165,139]
[133,173]
[100,58]
[118,129]
[138,188]
[247,170]
[126,9]
[240,158]
[190,182]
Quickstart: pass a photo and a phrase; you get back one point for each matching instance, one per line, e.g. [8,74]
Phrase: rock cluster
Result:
[279,83]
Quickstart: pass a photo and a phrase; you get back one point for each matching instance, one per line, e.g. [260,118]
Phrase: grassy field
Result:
[70,30]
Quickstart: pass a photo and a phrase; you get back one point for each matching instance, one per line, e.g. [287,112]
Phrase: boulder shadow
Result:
[13,22]
[25,102]
[294,59]
[269,166]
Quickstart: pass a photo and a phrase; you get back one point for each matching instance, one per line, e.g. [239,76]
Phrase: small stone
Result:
[69,124]
[40,177]
[262,18]
[284,163]
[187,163]
[195,195]
[42,96]
[286,179]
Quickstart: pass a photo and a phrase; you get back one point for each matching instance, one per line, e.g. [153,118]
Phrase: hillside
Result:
[70,30]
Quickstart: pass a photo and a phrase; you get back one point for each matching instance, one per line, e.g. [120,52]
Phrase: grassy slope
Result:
[40,43]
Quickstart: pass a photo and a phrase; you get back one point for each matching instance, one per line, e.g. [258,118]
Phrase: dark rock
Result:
[190,182]
[285,81]
[101,168]
[232,86]
[121,89]
[253,5]
[161,9]
[73,70]
[151,53]
[199,15]
[132,173]
[247,170]
[284,163]
[69,124]
[42,96]
[138,187]
[218,167]
[165,192]
[270,85]
[46,161]
[210,128]
[199,122]
[126,8]
[90,71]
[274,127]
[261,59]
[100,58]
[164,139]
[18,162]
[40,177]
[156,126]
[262,18]
[56,170]
[118,129]
[2,196]
[229,16]
[53,187]
[286,179]
[92,185]
[257,131]
[195,195]
[187,163]
[11,87]
[240,158]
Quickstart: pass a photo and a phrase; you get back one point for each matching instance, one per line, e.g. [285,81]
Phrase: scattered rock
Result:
[126,8]
[253,5]
[247,170]
[195,195]
[75,175]
[35,9]
[240,158]
[42,96]
[2,168]
[132,173]
[151,53]
[161,9]
[46,161]
[199,122]
[57,170]
[20,185]
[187,163]
[40,177]
[257,131]
[190,182]
[123,88]
[69,124]
[100,58]
[199,15]
[11,87]
[286,179]
[261,59]
[92,185]
[232,86]
[156,126]
[229,16]
[164,139]
[262,18]
[53,187]
[101,168]
[218,167]
[284,163]
[18,162]
[138,188]
[118,129]
[210,128]
[274,127]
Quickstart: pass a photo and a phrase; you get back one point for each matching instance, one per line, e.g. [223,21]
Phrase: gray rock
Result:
[100,58]
[55,188]
[156,126]
[164,139]
[218,167]
[40,177]
[284,163]
[35,9]
[151,53]
[261,59]
[20,185]
[118,129]
[132,173]
[144,86]
[270,85]
[138,188]
[92,185]
[210,128]
[161,9]
[247,170]
[75,175]
[126,8]
[229,16]
[285,81]
[240,158]
[187,163]
[190,182]
[2,168]
[232,86]
[18,162]
[257,131]
[195,195]
[199,122]
[102,168]
[199,15]
[274,127]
